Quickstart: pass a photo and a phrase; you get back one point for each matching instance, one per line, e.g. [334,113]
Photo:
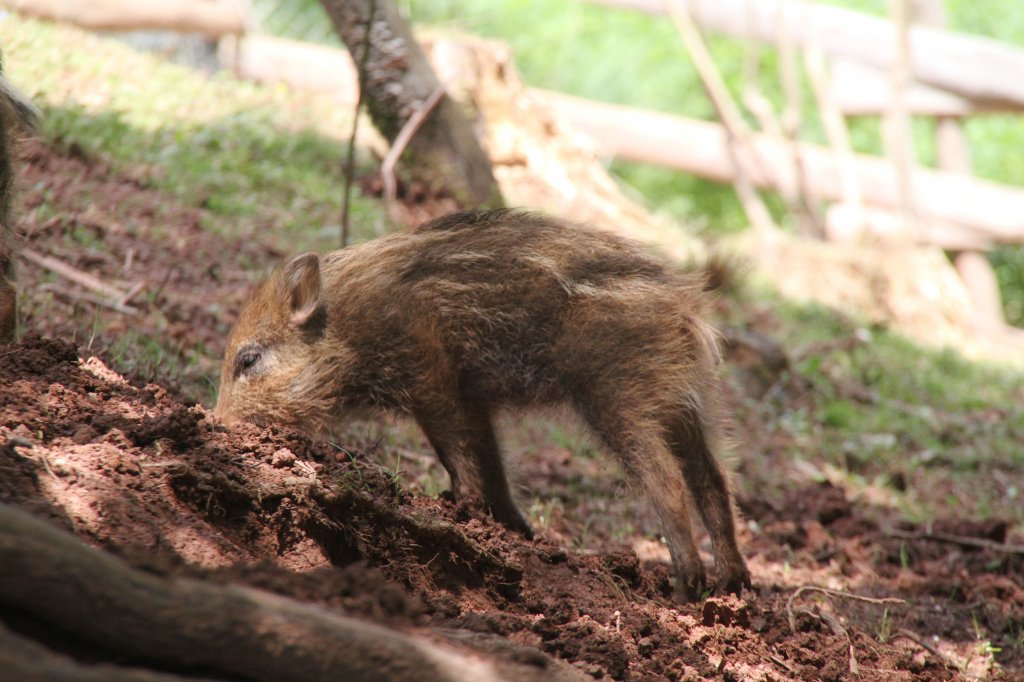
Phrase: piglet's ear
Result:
[302,286]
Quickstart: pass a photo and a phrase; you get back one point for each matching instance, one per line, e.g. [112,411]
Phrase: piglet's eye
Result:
[246,358]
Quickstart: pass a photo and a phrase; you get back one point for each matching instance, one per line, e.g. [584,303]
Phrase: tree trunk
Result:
[444,152]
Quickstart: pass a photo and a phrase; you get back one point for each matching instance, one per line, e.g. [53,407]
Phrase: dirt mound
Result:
[129,469]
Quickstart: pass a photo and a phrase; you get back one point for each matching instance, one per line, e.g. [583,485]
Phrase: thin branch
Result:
[838,629]
[110,296]
[73,295]
[837,594]
[74,274]
[16,442]
[132,292]
[962,540]
[831,619]
[163,284]
[737,130]
[405,135]
[918,640]
[836,130]
[777,660]
[350,157]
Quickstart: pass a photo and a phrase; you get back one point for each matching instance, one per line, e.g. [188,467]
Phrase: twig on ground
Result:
[782,663]
[90,298]
[838,628]
[16,442]
[132,292]
[962,540]
[167,278]
[405,135]
[80,277]
[46,465]
[739,146]
[832,620]
[838,594]
[918,640]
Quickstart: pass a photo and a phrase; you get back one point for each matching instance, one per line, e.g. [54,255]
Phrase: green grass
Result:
[258,158]
[884,411]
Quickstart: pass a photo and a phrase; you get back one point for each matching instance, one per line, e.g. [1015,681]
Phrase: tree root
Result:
[182,624]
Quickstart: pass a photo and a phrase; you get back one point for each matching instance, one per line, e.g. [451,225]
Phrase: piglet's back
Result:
[519,303]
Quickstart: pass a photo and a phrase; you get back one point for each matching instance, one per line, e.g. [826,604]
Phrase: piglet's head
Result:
[272,371]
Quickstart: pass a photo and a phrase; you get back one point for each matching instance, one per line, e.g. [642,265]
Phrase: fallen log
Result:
[58,582]
[26,660]
[985,210]
[845,223]
[861,90]
[268,59]
[213,18]
[981,70]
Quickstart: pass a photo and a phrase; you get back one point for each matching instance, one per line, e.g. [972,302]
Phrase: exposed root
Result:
[961,540]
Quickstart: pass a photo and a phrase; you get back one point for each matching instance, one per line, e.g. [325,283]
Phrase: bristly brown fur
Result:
[15,111]
[485,310]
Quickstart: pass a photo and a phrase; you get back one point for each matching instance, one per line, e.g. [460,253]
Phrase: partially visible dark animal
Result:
[481,311]
[15,112]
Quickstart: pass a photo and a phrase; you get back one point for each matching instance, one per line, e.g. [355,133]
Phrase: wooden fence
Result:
[907,66]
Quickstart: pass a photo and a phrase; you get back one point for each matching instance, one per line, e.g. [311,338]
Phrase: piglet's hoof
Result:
[733,581]
[514,521]
[691,587]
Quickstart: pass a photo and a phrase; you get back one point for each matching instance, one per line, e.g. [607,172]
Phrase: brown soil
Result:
[128,466]
[187,282]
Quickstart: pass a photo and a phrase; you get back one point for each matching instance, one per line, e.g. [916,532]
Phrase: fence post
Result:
[953,153]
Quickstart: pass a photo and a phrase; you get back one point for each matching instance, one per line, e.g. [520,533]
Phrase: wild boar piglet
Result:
[486,310]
